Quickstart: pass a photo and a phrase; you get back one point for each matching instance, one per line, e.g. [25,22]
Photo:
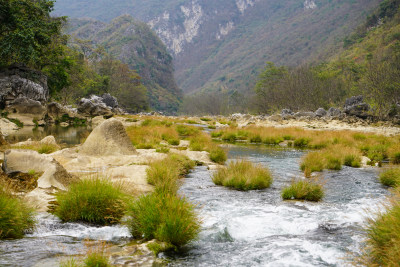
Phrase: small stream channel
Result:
[239,228]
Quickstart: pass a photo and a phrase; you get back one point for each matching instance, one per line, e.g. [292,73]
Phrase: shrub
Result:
[218,155]
[352,161]
[303,190]
[396,158]
[301,142]
[229,137]
[390,177]
[165,217]
[383,237]
[243,175]
[15,216]
[94,200]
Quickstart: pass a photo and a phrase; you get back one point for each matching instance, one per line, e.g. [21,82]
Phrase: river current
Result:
[254,228]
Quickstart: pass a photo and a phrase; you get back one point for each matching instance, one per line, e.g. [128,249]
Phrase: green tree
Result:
[28,34]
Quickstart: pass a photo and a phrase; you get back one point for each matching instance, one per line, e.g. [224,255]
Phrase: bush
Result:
[396,158]
[218,155]
[383,237]
[15,217]
[94,200]
[390,177]
[303,190]
[301,142]
[165,217]
[243,175]
[352,161]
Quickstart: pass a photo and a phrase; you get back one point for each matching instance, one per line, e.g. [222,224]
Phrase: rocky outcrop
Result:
[109,138]
[106,105]
[334,112]
[355,106]
[54,176]
[17,82]
[304,114]
[57,113]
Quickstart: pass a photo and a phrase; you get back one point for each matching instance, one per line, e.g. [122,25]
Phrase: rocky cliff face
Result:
[222,45]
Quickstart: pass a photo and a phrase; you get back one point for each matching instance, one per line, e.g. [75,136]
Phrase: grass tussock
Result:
[93,200]
[308,190]
[40,148]
[390,177]
[166,217]
[243,175]
[163,174]
[151,134]
[203,142]
[331,158]
[383,237]
[16,217]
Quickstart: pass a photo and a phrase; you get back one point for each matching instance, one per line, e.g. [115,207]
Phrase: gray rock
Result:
[355,106]
[286,111]
[56,111]
[94,106]
[24,105]
[109,100]
[320,112]
[275,118]
[18,82]
[334,112]
[304,114]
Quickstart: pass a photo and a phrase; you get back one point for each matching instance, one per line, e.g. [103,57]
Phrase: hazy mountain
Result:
[223,45]
[135,44]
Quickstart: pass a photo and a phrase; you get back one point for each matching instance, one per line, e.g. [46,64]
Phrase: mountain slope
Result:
[222,45]
[135,44]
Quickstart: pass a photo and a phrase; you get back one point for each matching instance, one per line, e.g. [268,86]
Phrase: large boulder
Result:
[17,82]
[109,100]
[107,139]
[26,110]
[94,106]
[54,177]
[334,112]
[355,106]
[320,112]
[304,114]
[59,113]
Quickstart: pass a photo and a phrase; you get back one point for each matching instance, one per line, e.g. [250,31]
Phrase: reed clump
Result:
[390,177]
[308,190]
[383,237]
[16,218]
[93,200]
[203,142]
[166,217]
[243,175]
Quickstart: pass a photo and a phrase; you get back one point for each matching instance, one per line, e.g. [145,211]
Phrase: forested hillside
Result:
[223,45]
[135,44]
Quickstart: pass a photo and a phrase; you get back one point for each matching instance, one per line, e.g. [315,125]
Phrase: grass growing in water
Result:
[383,237]
[163,174]
[390,177]
[303,190]
[165,217]
[93,200]
[15,216]
[243,175]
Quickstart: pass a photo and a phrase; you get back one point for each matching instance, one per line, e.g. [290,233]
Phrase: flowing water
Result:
[239,228]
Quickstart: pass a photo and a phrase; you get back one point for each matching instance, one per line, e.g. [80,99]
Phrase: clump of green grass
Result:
[173,142]
[211,127]
[163,174]
[396,158]
[273,140]
[205,119]
[352,161]
[16,217]
[229,137]
[255,138]
[390,177]
[383,237]
[40,148]
[301,142]
[186,130]
[303,190]
[216,134]
[165,217]
[162,149]
[93,200]
[96,259]
[218,155]
[243,175]
[333,163]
